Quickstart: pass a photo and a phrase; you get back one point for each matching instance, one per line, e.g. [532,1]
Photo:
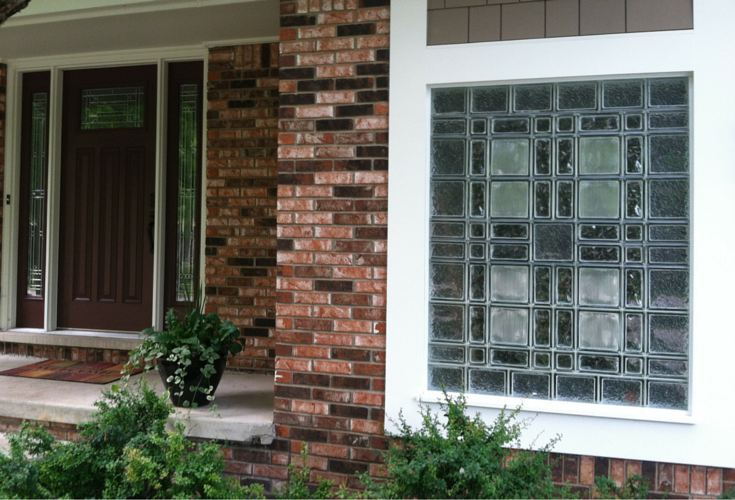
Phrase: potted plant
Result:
[190,354]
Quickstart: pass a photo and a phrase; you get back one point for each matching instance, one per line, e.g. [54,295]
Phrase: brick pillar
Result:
[242,130]
[332,226]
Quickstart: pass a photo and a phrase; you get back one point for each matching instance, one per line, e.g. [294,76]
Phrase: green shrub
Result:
[298,479]
[463,457]
[635,487]
[124,452]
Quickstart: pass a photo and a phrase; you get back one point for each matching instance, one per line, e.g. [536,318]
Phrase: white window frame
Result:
[588,429]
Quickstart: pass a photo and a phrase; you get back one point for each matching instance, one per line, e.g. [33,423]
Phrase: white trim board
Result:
[703,436]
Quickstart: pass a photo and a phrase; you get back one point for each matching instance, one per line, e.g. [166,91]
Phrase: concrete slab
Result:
[4,445]
[244,403]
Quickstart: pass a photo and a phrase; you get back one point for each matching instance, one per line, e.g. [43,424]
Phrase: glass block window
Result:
[37,194]
[559,241]
[187,224]
[113,108]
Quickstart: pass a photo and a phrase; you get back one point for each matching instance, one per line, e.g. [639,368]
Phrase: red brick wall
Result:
[332,216]
[242,131]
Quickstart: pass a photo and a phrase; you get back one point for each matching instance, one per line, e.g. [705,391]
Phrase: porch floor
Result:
[244,403]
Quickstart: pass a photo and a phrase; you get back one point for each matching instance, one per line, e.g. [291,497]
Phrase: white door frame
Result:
[57,65]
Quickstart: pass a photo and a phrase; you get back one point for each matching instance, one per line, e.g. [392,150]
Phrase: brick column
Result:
[332,216]
[242,130]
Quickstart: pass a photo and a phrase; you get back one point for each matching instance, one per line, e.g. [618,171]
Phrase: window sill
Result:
[567,408]
[72,338]
[244,403]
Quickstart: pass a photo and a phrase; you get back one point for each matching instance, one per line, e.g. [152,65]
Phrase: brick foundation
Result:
[242,129]
[69,353]
[332,220]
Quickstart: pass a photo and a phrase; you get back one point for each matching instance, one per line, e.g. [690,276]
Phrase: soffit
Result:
[139,24]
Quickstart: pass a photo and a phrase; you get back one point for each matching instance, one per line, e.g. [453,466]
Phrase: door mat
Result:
[70,371]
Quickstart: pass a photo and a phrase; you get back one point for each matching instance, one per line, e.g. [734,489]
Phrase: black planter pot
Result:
[194,377]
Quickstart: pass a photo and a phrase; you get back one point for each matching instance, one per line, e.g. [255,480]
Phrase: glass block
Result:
[634,199]
[564,362]
[599,254]
[490,382]
[668,289]
[669,92]
[668,255]
[543,156]
[509,283]
[565,124]
[668,233]
[447,157]
[515,231]
[509,252]
[634,255]
[542,199]
[477,324]
[447,198]
[634,287]
[446,354]
[531,385]
[634,233]
[542,281]
[553,242]
[541,360]
[599,199]
[633,366]
[599,155]
[668,395]
[599,331]
[447,250]
[479,126]
[477,251]
[478,158]
[669,153]
[508,326]
[622,392]
[509,199]
[668,334]
[446,322]
[599,232]
[490,99]
[577,95]
[444,377]
[564,330]
[564,198]
[509,157]
[509,358]
[542,328]
[511,125]
[447,230]
[668,120]
[634,122]
[564,285]
[533,97]
[113,108]
[599,122]
[543,125]
[667,368]
[477,199]
[633,332]
[477,282]
[449,127]
[448,101]
[565,149]
[477,356]
[477,230]
[576,389]
[602,364]
[446,281]
[599,287]
[622,94]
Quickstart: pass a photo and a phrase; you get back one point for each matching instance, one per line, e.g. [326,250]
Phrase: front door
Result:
[107,199]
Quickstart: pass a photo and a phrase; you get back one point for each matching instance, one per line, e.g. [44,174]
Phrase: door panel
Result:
[107,186]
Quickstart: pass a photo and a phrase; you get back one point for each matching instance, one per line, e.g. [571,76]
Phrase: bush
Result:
[635,487]
[124,452]
[463,457]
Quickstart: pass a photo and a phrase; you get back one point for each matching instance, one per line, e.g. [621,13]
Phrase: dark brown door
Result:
[107,204]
